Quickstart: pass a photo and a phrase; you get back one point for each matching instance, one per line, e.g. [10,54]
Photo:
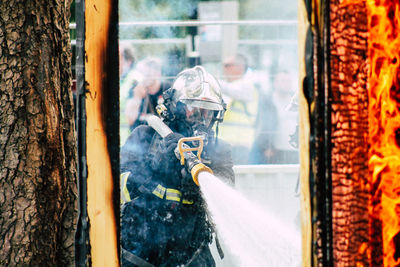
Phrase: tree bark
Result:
[37,142]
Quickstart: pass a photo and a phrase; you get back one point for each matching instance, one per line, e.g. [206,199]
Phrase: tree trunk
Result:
[37,142]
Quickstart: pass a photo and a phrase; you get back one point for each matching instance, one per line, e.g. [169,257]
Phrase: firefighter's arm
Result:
[164,159]
[134,170]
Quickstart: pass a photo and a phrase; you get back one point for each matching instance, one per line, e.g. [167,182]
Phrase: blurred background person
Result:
[127,61]
[144,92]
[263,150]
[241,96]
[276,138]
[284,94]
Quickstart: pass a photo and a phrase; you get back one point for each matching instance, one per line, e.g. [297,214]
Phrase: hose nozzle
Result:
[196,169]
[185,150]
[193,163]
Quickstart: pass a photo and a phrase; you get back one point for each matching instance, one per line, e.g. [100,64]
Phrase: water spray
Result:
[253,235]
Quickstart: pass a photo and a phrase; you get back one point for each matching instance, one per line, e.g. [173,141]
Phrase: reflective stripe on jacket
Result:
[170,194]
[160,191]
[125,197]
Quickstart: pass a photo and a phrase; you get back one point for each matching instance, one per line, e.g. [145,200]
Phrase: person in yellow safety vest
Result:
[163,216]
[241,97]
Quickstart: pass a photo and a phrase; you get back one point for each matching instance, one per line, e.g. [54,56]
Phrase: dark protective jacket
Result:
[165,223]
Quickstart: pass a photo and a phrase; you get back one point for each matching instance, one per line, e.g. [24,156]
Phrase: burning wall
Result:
[349,128]
[352,88]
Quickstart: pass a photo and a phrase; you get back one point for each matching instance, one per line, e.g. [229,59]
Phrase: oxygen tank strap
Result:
[132,258]
[219,248]
[196,253]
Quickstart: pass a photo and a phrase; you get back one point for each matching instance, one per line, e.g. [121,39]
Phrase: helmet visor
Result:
[197,88]
[196,115]
[204,104]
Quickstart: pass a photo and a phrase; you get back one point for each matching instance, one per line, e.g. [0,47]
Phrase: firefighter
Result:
[163,219]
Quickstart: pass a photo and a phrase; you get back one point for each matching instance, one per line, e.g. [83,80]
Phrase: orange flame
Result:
[384,125]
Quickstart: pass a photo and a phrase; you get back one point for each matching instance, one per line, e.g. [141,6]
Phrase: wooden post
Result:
[101,55]
[304,136]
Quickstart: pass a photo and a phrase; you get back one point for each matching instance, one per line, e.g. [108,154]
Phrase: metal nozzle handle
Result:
[183,149]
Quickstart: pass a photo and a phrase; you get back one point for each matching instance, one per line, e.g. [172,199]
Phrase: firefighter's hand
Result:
[171,142]
[164,159]
[167,154]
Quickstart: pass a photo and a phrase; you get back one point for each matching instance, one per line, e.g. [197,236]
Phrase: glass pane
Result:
[250,47]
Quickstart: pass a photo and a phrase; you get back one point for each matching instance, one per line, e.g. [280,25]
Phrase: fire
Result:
[384,129]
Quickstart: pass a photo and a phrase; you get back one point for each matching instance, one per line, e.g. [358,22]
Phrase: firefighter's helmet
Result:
[200,94]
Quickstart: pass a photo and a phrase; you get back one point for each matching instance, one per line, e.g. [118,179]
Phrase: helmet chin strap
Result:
[216,133]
